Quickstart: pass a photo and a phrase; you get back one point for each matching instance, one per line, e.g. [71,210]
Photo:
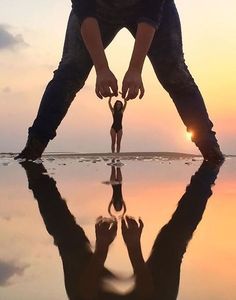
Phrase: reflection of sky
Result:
[151,190]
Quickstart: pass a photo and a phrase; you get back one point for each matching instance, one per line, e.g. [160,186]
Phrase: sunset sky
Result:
[31,41]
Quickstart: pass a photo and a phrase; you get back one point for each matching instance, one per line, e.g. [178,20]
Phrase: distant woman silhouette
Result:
[116,128]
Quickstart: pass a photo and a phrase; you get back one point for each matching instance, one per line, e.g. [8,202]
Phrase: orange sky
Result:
[150,124]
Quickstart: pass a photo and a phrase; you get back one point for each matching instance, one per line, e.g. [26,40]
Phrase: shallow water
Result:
[36,224]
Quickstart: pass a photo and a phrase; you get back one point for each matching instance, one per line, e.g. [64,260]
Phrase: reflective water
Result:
[52,247]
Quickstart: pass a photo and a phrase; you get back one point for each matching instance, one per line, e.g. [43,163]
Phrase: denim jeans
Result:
[167,59]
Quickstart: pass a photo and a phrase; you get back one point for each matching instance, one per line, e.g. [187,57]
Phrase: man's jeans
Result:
[166,56]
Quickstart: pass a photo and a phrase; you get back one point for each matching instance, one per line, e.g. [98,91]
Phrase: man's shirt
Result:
[120,11]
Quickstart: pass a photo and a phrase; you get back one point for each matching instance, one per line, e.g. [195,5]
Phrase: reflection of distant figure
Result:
[116,128]
[84,271]
[116,182]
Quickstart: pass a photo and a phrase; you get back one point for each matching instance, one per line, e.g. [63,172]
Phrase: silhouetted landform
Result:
[174,155]
[123,155]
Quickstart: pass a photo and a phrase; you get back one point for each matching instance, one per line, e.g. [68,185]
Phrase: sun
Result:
[189,135]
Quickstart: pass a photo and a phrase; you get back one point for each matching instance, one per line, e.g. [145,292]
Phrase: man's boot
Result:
[212,153]
[33,149]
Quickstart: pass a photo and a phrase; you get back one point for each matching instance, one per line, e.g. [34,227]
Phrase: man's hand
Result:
[132,85]
[106,84]
[132,82]
[106,230]
[131,231]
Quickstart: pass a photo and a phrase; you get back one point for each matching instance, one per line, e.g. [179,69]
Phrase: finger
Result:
[123,224]
[124,90]
[114,87]
[131,221]
[142,91]
[141,225]
[133,93]
[99,219]
[105,91]
[98,93]
[105,225]
[112,221]
[114,226]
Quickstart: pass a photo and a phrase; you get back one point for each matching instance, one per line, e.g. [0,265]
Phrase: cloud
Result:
[8,41]
[8,270]
[6,89]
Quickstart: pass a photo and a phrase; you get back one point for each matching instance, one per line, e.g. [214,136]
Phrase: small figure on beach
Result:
[92,25]
[116,128]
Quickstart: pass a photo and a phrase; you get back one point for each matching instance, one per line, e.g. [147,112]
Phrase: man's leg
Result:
[68,79]
[166,56]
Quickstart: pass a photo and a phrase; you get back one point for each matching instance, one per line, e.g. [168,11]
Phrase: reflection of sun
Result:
[189,135]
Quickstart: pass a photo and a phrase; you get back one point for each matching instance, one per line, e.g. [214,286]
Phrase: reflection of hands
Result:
[106,230]
[131,231]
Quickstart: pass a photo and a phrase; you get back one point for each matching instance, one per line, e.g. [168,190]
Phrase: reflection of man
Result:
[84,272]
[92,26]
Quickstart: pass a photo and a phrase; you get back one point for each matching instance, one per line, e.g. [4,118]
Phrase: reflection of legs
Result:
[113,139]
[70,238]
[171,243]
[118,175]
[113,174]
[166,56]
[119,137]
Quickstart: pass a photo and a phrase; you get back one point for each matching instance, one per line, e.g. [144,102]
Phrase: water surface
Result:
[48,213]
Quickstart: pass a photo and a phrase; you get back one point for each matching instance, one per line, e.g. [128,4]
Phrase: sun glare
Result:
[189,135]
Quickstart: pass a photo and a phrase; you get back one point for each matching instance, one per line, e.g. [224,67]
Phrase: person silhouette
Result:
[92,25]
[117,201]
[116,128]
[84,272]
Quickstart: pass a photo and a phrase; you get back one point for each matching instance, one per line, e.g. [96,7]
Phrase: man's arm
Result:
[131,233]
[106,83]
[132,82]
[148,23]
[92,38]
[106,230]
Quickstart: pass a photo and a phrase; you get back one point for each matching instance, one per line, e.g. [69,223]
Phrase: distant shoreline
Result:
[169,155]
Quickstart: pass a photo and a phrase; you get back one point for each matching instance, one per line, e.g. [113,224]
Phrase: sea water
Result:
[190,233]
